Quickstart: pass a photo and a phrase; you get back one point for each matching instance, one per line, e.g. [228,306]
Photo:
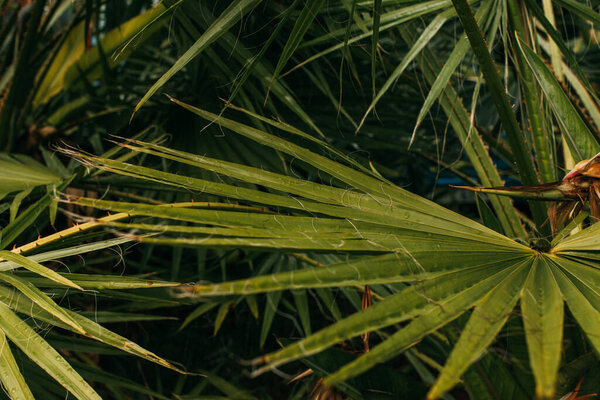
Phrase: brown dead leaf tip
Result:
[584,179]
[321,391]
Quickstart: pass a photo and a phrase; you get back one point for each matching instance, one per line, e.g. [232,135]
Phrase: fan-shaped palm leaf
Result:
[453,265]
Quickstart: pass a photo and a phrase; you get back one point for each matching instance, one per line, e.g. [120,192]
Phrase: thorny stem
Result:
[67,232]
[115,217]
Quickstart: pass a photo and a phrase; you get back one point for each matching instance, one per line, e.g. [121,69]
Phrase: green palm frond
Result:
[22,294]
[283,230]
[452,265]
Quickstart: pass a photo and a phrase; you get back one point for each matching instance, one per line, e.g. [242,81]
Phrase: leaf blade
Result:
[542,308]
[230,16]
[485,322]
[41,299]
[36,348]
[11,377]
[581,141]
[37,268]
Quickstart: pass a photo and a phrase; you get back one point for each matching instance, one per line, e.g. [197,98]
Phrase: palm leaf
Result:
[226,20]
[44,355]
[581,141]
[449,263]
[10,375]
[542,307]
